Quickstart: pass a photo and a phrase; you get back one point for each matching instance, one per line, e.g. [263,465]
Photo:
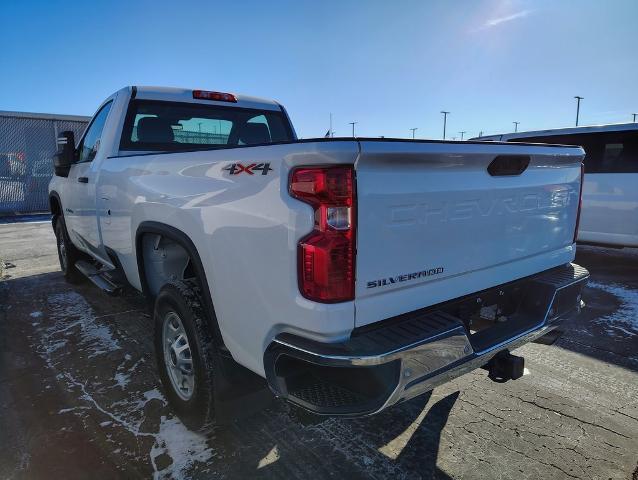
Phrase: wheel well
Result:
[164,260]
[186,264]
[54,205]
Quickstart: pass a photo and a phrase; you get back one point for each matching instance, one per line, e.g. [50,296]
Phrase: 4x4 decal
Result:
[237,168]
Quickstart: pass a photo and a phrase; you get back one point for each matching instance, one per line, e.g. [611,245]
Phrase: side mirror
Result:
[65,156]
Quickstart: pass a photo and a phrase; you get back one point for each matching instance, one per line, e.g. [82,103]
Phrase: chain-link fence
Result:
[27,146]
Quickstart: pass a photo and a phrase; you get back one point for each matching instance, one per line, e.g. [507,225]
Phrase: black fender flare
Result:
[56,196]
[185,242]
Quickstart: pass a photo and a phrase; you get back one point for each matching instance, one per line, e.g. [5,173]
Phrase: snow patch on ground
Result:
[624,321]
[122,379]
[182,445]
[154,394]
[72,321]
[37,314]
[70,311]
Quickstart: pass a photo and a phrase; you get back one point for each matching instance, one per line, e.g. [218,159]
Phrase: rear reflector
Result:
[217,96]
[326,257]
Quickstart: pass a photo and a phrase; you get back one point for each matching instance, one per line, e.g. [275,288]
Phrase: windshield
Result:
[173,126]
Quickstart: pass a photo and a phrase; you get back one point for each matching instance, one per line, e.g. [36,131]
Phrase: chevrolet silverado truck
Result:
[345,274]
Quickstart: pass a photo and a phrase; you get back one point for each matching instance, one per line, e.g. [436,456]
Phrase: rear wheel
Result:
[67,253]
[185,351]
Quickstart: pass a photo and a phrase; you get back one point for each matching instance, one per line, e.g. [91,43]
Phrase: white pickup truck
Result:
[345,274]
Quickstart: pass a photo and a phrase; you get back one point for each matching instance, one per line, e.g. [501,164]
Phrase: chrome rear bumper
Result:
[403,357]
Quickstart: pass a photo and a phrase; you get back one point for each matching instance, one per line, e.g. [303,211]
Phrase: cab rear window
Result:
[172,126]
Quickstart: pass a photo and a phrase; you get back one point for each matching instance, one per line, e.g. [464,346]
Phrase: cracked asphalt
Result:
[80,398]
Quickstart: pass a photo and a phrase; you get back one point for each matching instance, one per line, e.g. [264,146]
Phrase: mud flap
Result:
[239,392]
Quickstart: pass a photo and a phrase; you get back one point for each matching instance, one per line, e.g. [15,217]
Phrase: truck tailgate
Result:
[434,224]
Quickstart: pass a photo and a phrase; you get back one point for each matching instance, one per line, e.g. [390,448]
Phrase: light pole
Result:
[445,114]
[634,114]
[462,133]
[353,124]
[516,126]
[578,99]
[413,130]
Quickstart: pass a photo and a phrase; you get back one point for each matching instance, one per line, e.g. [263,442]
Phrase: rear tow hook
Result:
[504,366]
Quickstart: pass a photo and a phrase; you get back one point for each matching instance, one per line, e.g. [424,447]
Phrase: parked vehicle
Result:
[610,191]
[12,164]
[347,275]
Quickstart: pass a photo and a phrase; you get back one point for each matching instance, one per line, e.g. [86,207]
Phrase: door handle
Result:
[83,179]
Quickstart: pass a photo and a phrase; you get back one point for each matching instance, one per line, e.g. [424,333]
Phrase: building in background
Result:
[27,146]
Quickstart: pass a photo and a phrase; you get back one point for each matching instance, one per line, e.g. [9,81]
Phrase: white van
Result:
[610,193]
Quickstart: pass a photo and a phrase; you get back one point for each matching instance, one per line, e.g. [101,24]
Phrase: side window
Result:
[622,155]
[605,152]
[611,156]
[91,142]
[593,145]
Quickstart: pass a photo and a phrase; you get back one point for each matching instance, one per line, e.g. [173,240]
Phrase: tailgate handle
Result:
[508,165]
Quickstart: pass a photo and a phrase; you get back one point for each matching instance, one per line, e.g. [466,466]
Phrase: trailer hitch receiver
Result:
[504,366]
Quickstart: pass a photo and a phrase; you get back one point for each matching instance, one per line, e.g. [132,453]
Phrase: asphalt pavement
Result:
[80,396]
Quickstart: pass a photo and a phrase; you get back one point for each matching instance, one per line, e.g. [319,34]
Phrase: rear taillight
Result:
[580,200]
[326,257]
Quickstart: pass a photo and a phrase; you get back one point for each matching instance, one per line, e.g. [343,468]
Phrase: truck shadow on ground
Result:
[402,441]
[81,376]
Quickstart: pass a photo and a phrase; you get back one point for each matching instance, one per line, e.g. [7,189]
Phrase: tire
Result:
[182,334]
[67,253]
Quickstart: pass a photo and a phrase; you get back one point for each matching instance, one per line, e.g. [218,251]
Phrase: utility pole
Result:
[445,114]
[480,133]
[462,133]
[413,130]
[353,124]
[578,99]
[516,126]
[634,114]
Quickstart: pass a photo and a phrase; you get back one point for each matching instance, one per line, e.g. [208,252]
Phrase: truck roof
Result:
[613,127]
[173,94]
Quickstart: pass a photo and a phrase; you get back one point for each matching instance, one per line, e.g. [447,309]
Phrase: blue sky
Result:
[390,65]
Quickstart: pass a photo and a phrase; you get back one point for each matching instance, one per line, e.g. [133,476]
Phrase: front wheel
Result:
[184,349]
[67,253]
